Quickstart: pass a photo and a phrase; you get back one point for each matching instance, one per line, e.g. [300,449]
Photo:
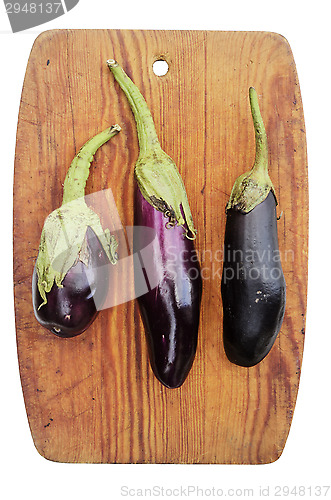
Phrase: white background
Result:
[306,459]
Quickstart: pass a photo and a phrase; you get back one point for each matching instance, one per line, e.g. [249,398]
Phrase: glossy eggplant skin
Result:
[170,310]
[253,284]
[72,308]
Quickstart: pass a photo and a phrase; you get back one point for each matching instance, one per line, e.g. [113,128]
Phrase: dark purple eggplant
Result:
[71,276]
[253,284]
[171,308]
[71,309]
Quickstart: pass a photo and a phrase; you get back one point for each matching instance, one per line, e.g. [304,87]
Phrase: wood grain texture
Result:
[94,398]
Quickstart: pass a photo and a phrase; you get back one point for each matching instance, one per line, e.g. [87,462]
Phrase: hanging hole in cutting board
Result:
[160,67]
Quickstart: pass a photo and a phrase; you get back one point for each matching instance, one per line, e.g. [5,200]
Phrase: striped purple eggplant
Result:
[253,284]
[70,280]
[171,308]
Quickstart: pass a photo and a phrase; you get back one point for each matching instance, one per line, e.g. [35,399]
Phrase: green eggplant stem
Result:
[252,187]
[147,136]
[261,142]
[78,172]
[155,172]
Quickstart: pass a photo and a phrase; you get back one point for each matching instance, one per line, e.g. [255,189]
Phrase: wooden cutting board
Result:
[94,398]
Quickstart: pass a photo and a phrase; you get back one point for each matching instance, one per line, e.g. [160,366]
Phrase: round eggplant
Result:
[71,308]
[70,278]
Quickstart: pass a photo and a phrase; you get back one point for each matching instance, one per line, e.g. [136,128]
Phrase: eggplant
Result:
[71,276]
[170,309]
[253,284]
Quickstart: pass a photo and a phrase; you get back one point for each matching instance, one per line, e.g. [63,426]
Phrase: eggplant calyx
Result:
[252,188]
[162,187]
[62,243]
[249,190]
